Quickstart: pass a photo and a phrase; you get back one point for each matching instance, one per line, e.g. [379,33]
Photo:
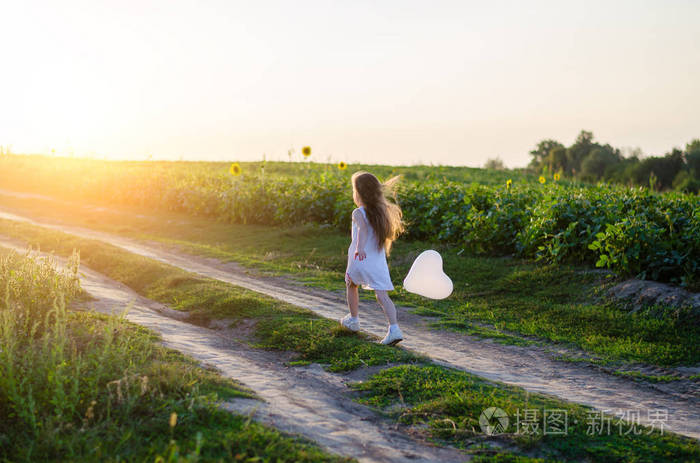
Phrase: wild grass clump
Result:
[80,386]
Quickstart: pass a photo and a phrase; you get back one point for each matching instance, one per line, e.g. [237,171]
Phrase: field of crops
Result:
[630,230]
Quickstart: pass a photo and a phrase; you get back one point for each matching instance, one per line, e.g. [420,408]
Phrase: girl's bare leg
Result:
[353,296]
[387,305]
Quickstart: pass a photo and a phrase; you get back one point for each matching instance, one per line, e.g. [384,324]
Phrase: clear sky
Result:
[398,82]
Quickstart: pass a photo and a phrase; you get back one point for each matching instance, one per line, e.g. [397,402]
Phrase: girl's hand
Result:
[360,255]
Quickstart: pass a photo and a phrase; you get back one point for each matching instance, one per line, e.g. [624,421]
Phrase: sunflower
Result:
[509,182]
[306,151]
[542,179]
[557,177]
[235,169]
[342,165]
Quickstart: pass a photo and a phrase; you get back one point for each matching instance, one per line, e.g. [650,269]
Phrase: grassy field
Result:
[447,401]
[550,296]
[77,386]
[494,296]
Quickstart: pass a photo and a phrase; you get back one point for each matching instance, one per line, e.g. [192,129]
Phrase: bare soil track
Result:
[533,368]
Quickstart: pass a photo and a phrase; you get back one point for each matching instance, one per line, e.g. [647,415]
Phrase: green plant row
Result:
[629,230]
[632,231]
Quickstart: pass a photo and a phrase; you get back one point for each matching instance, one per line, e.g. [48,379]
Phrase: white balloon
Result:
[426,277]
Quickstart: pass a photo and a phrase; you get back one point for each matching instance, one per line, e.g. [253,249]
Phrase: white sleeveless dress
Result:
[373,271]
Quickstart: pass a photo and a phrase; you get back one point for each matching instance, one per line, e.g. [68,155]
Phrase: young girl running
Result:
[376,223]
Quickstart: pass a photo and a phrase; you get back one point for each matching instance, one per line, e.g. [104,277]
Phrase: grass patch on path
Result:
[450,404]
[79,386]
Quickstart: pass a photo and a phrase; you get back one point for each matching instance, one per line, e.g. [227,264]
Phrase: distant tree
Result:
[541,152]
[686,183]
[673,163]
[692,157]
[557,160]
[664,169]
[623,171]
[590,160]
[632,153]
[495,164]
[579,150]
[599,161]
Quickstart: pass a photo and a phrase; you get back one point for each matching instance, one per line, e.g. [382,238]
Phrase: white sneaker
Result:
[353,324]
[392,337]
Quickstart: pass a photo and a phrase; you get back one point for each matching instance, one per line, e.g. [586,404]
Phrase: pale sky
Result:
[394,82]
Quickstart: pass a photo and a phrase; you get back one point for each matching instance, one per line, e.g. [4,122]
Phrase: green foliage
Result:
[656,237]
[577,152]
[597,163]
[687,182]
[541,153]
[652,236]
[557,161]
[692,157]
[555,222]
[664,169]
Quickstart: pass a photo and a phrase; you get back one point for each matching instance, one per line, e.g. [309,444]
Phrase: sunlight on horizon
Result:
[391,83]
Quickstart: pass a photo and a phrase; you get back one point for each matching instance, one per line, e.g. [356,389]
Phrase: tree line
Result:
[590,161]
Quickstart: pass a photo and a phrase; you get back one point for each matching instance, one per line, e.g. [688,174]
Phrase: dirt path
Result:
[532,368]
[307,401]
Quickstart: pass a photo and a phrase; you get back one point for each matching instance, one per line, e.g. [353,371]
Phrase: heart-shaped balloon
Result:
[426,277]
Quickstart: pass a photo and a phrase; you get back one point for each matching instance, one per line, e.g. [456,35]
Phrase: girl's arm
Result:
[361,234]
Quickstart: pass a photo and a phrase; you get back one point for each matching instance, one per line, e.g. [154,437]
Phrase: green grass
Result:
[77,386]
[324,341]
[432,393]
[502,298]
[646,377]
[450,403]
[499,457]
[282,326]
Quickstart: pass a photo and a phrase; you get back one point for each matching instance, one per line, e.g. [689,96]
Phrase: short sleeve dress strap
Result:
[362,211]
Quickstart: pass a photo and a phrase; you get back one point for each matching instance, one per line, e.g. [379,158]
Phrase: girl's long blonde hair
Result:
[384,216]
